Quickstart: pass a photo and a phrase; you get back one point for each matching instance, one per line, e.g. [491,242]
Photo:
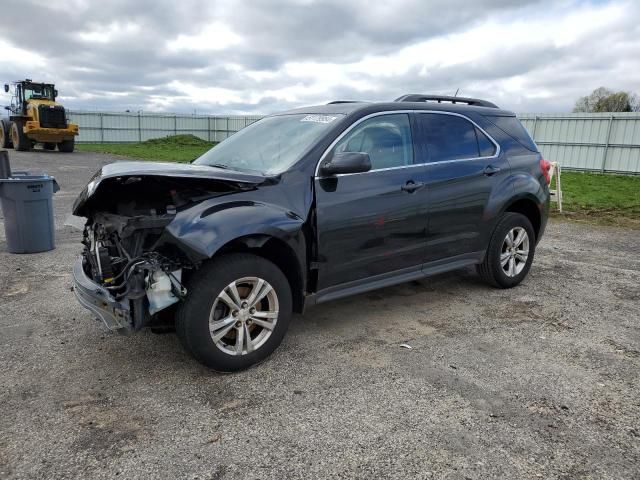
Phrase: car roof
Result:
[347,108]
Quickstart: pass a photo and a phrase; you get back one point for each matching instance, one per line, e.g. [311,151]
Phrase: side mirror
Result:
[6,88]
[7,108]
[346,162]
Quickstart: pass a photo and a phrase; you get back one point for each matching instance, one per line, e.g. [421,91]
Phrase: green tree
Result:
[604,100]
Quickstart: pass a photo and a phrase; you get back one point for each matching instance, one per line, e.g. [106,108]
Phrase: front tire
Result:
[20,141]
[236,312]
[67,146]
[5,135]
[510,252]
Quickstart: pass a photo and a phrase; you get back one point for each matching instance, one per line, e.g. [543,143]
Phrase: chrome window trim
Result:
[392,112]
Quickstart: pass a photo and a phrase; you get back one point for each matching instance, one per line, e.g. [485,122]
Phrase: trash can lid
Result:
[26,177]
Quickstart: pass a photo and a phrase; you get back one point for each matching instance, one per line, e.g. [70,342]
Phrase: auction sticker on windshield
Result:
[318,118]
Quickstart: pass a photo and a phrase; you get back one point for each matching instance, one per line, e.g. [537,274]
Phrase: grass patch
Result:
[601,198]
[176,148]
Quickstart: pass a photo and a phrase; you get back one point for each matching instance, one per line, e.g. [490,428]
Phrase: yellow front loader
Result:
[36,117]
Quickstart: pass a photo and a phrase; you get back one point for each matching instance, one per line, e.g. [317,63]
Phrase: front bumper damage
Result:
[133,311]
[115,314]
[134,265]
[123,276]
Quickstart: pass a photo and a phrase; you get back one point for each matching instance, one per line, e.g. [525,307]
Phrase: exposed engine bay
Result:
[126,250]
[120,255]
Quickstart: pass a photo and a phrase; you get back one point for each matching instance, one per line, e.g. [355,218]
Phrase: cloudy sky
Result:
[268,55]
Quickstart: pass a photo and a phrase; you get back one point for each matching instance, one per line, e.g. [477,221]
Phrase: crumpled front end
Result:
[132,267]
[123,276]
[115,314]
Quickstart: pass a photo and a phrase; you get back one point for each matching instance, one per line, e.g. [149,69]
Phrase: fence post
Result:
[209,128]
[139,127]
[102,128]
[606,145]
[535,124]
[175,124]
[227,135]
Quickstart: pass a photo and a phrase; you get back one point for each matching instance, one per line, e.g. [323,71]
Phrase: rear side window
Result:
[512,127]
[449,137]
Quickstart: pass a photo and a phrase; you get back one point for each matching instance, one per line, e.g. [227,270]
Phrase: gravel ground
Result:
[537,381]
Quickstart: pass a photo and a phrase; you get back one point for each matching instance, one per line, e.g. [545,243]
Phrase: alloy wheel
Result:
[243,316]
[515,251]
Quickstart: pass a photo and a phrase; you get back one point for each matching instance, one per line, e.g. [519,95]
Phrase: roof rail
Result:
[416,97]
[335,102]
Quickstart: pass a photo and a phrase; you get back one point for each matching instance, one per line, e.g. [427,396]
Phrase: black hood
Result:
[105,180]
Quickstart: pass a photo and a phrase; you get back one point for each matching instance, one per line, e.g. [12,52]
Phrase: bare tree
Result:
[604,100]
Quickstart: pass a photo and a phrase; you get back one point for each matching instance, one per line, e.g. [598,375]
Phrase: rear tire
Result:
[67,146]
[49,146]
[510,252]
[20,141]
[5,135]
[225,337]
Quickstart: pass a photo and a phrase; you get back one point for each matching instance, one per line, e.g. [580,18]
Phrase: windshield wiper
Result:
[222,166]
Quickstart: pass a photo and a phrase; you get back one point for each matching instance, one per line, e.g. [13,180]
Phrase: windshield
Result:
[40,92]
[270,145]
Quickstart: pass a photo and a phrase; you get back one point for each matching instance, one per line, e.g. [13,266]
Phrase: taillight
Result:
[545,167]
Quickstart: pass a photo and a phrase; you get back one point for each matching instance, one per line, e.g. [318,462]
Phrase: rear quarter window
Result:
[512,127]
[486,146]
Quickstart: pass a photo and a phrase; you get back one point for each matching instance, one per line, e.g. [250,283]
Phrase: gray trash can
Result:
[27,205]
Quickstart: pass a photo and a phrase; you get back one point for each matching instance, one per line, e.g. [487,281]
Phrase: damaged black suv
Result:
[308,206]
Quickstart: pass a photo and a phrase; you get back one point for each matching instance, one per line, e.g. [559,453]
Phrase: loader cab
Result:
[28,90]
[38,91]
[18,102]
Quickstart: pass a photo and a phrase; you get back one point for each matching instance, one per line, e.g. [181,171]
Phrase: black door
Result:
[372,223]
[463,167]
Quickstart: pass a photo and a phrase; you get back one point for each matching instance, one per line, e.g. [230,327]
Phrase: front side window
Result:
[449,137]
[386,138]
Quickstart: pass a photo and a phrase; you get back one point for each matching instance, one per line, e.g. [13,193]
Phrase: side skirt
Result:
[394,278]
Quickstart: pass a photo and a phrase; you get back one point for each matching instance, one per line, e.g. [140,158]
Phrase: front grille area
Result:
[52,116]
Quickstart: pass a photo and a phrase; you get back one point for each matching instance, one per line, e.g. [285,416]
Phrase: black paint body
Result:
[354,232]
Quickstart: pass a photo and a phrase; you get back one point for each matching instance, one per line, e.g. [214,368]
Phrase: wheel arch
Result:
[276,251]
[529,207]
[214,228]
[522,193]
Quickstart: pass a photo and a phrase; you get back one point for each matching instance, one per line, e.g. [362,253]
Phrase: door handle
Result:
[412,186]
[491,170]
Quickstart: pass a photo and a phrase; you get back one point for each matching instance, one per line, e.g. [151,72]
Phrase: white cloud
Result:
[259,56]
[216,36]
[109,33]
[485,43]
[13,56]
